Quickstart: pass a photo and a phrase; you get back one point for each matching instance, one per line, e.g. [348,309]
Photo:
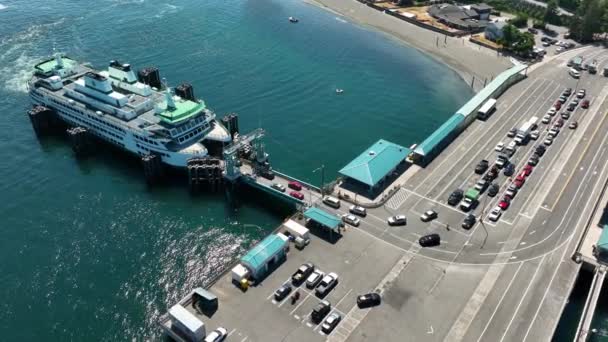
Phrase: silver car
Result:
[357,210]
[351,219]
[314,279]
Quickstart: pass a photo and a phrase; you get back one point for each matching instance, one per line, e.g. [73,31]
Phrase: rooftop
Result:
[375,162]
[183,110]
[51,64]
[323,217]
[259,254]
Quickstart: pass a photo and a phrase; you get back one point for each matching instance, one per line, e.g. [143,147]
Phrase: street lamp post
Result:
[322,168]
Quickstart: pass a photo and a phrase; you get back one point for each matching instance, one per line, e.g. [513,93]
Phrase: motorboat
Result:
[293,19]
[339,91]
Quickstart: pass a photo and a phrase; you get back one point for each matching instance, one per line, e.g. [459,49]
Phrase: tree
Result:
[510,34]
[524,43]
[551,13]
[521,20]
[591,22]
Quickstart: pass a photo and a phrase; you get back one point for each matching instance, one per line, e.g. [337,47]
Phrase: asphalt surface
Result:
[508,280]
[499,281]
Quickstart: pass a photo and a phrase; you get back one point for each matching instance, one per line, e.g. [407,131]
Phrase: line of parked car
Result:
[322,284]
[539,150]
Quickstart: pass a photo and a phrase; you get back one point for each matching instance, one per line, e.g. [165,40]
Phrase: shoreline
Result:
[470,61]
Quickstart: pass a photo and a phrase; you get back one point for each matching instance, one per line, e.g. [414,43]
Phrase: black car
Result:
[533,161]
[540,150]
[532,30]
[282,292]
[567,92]
[493,190]
[482,167]
[320,311]
[302,273]
[368,300]
[268,174]
[492,174]
[455,197]
[430,240]
[509,170]
[469,221]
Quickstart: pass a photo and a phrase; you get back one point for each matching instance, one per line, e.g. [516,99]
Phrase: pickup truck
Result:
[470,199]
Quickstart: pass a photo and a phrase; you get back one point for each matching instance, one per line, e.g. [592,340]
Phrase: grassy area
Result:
[482,39]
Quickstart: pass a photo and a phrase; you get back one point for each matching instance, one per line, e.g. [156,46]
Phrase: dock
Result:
[506,279]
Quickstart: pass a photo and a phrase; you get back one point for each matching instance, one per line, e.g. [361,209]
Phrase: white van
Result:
[574,73]
[331,201]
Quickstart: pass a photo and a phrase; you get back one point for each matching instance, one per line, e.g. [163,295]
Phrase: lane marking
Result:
[500,301]
[522,299]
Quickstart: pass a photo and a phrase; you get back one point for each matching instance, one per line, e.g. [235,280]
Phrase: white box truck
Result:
[523,133]
[188,324]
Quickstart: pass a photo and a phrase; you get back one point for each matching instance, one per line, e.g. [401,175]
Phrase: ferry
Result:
[140,115]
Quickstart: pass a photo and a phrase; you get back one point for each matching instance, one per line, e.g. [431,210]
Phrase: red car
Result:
[504,204]
[585,104]
[527,170]
[519,183]
[559,123]
[297,195]
[558,105]
[295,185]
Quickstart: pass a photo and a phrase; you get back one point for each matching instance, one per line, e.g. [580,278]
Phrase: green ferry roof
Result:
[183,110]
[51,64]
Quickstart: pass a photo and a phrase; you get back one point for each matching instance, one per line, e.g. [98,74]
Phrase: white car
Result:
[351,219]
[546,119]
[534,135]
[559,49]
[499,147]
[495,214]
[314,278]
[357,210]
[397,220]
[548,141]
[552,111]
[217,335]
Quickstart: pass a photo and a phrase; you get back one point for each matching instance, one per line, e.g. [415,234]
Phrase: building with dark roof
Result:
[464,18]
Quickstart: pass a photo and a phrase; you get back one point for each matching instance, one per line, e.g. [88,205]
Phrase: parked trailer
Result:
[487,109]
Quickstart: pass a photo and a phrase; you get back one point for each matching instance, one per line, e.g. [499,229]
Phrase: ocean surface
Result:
[87,251]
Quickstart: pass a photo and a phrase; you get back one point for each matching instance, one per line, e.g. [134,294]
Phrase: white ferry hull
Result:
[124,140]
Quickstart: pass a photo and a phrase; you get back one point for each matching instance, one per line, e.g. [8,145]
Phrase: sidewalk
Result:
[381,198]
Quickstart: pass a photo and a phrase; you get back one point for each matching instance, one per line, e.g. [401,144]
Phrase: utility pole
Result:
[322,168]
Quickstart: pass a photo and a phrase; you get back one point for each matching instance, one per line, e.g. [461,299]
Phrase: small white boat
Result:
[293,19]
[339,91]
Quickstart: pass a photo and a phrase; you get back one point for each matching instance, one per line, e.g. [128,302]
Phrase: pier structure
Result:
[591,254]
[247,162]
[513,274]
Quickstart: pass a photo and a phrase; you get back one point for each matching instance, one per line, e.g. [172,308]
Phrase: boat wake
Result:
[341,20]
[2,7]
[16,57]
[167,9]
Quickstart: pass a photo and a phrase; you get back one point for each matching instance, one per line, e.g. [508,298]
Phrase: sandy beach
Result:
[467,59]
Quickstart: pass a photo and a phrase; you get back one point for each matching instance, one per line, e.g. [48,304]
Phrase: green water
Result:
[88,252]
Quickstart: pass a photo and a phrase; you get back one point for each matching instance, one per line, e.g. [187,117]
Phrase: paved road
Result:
[504,281]
[544,4]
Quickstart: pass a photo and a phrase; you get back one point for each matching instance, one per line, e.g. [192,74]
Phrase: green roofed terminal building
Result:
[372,167]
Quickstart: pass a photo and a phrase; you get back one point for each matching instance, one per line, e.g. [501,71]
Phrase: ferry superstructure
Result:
[120,109]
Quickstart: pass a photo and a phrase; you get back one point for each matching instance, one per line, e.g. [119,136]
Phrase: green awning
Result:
[323,217]
[259,255]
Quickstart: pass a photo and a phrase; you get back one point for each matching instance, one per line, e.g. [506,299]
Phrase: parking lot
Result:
[254,315]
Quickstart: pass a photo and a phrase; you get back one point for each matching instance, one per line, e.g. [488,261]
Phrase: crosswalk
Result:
[397,199]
